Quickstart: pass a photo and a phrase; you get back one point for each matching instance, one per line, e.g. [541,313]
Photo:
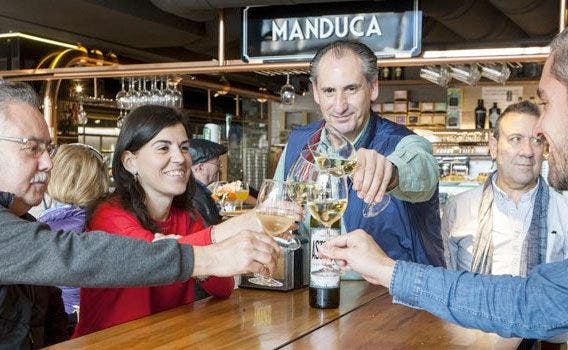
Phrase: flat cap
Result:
[203,150]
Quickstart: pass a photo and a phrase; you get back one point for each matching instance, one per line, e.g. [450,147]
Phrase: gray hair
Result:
[16,92]
[559,54]
[339,49]
[524,107]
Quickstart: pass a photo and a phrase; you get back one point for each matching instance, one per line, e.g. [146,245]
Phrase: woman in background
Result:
[78,179]
[153,198]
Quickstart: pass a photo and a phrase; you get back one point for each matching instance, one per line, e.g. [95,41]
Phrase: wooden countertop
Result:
[381,324]
[252,319]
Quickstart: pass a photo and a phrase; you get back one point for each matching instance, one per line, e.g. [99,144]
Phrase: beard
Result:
[558,171]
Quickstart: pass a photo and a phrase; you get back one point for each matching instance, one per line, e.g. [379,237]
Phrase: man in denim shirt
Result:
[533,307]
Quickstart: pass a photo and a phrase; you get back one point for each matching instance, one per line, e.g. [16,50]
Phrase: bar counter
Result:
[252,319]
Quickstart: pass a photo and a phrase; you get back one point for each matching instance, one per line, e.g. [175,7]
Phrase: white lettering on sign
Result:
[323,28]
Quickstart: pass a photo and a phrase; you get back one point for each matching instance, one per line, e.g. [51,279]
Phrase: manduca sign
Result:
[269,37]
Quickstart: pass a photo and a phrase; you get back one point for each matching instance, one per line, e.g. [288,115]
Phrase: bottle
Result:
[386,75]
[480,115]
[398,73]
[262,142]
[324,290]
[494,113]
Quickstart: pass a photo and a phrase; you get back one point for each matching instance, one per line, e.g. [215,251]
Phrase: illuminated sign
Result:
[269,37]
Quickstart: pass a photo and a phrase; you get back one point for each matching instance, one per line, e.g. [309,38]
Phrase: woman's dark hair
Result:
[140,126]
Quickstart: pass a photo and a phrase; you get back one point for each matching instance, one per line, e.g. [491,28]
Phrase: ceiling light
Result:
[437,75]
[499,73]
[262,98]
[466,74]
[225,89]
[37,38]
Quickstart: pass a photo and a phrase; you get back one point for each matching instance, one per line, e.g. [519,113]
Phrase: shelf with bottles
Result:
[457,142]
[478,156]
[454,136]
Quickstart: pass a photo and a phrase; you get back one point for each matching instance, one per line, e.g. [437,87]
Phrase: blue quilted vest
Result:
[404,230]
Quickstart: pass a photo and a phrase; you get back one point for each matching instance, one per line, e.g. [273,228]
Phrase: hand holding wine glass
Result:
[372,175]
[369,170]
[276,214]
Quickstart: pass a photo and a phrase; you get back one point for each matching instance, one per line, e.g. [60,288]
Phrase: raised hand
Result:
[372,175]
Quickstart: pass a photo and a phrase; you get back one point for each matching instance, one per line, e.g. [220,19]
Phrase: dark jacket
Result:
[31,317]
[205,205]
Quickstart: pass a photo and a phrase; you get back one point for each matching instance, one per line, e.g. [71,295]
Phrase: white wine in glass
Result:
[336,166]
[326,205]
[327,211]
[335,154]
[301,177]
[274,223]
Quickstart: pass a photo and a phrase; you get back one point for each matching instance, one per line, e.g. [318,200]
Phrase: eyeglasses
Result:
[33,147]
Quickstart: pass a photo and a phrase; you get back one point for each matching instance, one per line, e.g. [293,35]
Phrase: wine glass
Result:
[335,154]
[275,213]
[155,93]
[177,94]
[219,194]
[301,177]
[327,203]
[128,99]
[145,95]
[241,194]
[120,96]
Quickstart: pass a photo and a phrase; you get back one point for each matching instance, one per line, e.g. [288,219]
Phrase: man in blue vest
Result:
[390,157]
[534,307]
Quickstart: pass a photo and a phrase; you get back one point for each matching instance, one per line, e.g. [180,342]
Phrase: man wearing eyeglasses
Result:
[32,255]
[496,228]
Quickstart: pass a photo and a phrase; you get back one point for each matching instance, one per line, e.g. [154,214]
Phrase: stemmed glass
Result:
[130,97]
[145,95]
[121,95]
[301,177]
[163,92]
[176,94]
[241,195]
[218,194]
[155,93]
[335,154]
[275,213]
[327,203]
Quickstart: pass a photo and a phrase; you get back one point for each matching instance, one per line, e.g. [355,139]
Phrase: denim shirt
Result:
[535,307]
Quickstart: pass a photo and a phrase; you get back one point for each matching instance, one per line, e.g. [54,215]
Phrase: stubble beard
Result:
[558,172]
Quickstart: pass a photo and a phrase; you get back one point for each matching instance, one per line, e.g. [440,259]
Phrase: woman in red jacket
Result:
[154,188]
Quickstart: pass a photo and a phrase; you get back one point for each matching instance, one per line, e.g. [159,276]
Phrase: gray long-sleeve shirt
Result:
[33,254]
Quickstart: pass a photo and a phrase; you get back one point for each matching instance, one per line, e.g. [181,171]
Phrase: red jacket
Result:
[105,307]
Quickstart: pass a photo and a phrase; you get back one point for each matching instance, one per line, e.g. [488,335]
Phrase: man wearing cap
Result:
[206,167]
